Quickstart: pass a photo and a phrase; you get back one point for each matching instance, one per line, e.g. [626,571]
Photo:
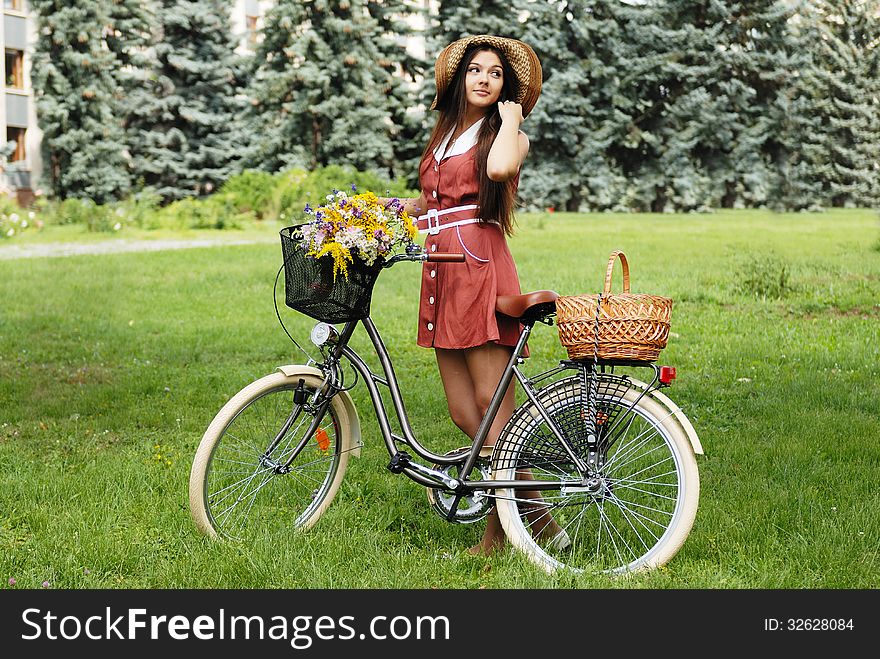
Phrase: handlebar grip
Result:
[445,257]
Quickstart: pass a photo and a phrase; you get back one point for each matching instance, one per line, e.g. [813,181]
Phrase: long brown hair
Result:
[497,200]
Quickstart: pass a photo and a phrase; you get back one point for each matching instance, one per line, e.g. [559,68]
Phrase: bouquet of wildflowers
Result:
[356,226]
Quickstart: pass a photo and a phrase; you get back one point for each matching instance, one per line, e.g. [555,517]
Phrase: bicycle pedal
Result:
[399,462]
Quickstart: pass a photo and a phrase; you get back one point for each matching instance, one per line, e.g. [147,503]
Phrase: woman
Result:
[486,86]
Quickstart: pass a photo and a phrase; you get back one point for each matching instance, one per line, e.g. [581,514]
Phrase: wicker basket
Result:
[631,327]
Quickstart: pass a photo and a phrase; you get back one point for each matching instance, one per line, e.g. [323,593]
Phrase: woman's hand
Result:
[510,112]
[412,205]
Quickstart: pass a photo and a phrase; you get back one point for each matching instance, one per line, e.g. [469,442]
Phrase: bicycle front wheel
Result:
[240,483]
[636,511]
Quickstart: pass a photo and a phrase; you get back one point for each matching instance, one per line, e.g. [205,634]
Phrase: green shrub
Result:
[69,211]
[245,197]
[139,209]
[13,218]
[208,213]
[764,276]
[295,188]
[250,191]
[104,218]
[83,212]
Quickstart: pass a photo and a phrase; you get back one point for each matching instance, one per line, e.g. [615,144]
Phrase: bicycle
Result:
[609,456]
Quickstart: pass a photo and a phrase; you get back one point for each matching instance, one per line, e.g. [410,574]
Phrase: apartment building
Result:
[20,167]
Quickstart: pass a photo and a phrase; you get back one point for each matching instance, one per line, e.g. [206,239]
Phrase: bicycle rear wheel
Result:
[643,502]
[239,488]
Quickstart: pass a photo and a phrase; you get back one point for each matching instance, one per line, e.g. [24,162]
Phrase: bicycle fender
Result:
[676,412]
[354,423]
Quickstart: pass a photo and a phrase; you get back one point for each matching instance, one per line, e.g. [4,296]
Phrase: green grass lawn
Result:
[112,366]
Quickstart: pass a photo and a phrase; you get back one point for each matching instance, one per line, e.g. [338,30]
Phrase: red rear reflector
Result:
[667,374]
[322,438]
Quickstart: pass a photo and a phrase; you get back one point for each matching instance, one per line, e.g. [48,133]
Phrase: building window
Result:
[14,68]
[252,30]
[12,4]
[14,134]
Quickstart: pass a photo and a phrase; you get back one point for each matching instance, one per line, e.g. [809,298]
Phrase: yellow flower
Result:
[356,227]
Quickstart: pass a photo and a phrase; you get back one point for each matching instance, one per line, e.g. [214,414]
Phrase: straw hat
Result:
[522,59]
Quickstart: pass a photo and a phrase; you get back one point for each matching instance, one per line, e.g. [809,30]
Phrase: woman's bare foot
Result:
[493,537]
[485,549]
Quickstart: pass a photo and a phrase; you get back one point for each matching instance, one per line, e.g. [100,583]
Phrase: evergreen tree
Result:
[838,129]
[130,36]
[763,56]
[188,142]
[461,18]
[78,109]
[407,71]
[677,102]
[579,114]
[703,90]
[319,89]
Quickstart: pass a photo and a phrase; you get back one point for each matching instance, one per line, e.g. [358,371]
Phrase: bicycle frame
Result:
[425,475]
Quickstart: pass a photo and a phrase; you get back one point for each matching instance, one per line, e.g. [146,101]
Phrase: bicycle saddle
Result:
[528,306]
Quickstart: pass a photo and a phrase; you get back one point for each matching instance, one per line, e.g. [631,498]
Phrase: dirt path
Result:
[112,247]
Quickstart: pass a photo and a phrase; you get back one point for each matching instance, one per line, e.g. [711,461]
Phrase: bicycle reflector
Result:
[667,374]
[322,438]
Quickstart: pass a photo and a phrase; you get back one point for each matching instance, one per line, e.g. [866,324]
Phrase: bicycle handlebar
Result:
[431,257]
[445,257]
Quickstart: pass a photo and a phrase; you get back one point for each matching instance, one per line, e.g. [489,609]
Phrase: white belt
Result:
[433,219]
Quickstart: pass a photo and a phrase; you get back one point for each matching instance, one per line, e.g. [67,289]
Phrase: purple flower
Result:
[11,581]
[353,187]
[308,209]
[45,584]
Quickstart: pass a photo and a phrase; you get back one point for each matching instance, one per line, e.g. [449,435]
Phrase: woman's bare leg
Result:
[470,377]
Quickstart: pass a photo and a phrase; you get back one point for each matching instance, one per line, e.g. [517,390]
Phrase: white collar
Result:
[464,142]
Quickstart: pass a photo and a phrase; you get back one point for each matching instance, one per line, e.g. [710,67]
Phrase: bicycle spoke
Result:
[620,515]
[247,490]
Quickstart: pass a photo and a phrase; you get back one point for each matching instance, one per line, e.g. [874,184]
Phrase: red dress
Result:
[457,305]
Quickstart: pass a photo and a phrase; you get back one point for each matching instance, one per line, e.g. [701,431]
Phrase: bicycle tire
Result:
[235,492]
[647,502]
